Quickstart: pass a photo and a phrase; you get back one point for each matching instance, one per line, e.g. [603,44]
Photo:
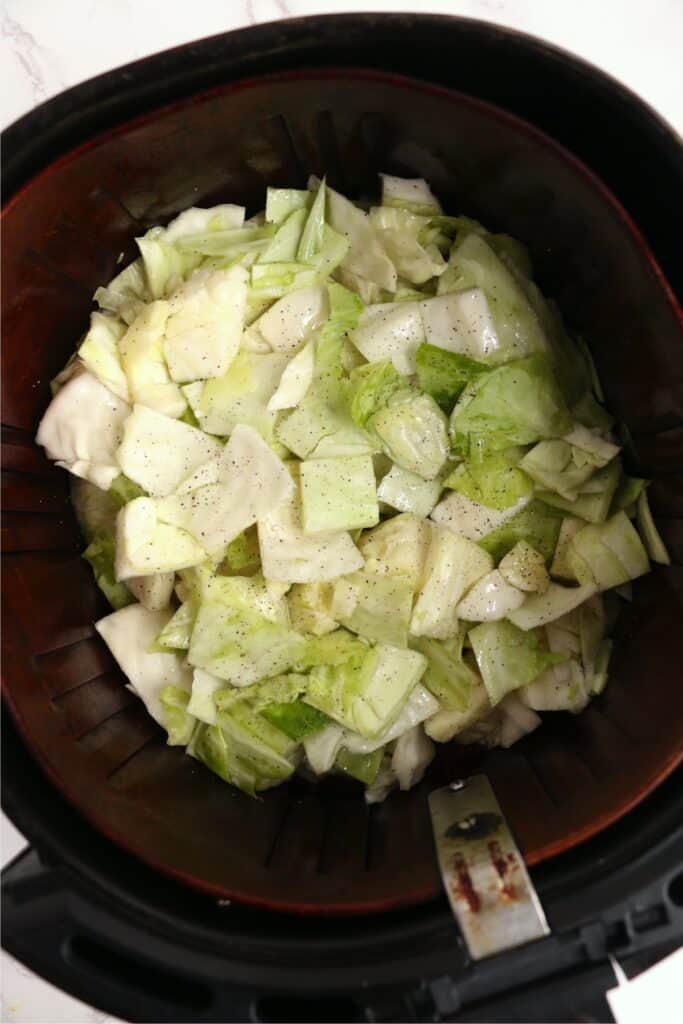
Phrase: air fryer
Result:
[154,890]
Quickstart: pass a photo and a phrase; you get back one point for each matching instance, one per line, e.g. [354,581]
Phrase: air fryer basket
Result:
[306,848]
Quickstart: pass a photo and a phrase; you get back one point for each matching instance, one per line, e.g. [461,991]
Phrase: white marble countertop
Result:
[46,46]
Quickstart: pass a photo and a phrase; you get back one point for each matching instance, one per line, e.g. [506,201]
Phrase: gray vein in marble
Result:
[26,50]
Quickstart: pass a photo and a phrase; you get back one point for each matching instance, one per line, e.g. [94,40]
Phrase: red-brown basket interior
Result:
[303,848]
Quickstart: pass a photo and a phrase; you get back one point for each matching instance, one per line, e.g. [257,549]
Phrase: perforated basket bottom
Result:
[301,847]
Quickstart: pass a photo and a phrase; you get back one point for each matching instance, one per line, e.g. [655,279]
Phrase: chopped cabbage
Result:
[524,567]
[292,555]
[408,492]
[129,634]
[142,358]
[452,566]
[443,374]
[461,322]
[252,481]
[390,330]
[338,494]
[508,657]
[158,452]
[254,395]
[204,325]
[99,353]
[366,694]
[490,599]
[82,428]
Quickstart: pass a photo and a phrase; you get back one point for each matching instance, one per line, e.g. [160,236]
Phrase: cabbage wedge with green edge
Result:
[349,485]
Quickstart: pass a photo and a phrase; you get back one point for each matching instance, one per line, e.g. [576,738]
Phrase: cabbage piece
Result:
[598,680]
[461,322]
[199,221]
[443,374]
[291,320]
[607,554]
[653,542]
[159,452]
[627,494]
[419,707]
[412,194]
[291,555]
[241,395]
[491,479]
[281,202]
[296,719]
[309,608]
[447,723]
[517,403]
[204,688]
[524,567]
[490,599]
[560,567]
[594,501]
[145,545]
[508,657]
[390,330]
[452,566]
[400,233]
[318,430]
[560,688]
[175,636]
[408,492]
[165,265]
[178,722]
[555,601]
[383,783]
[366,256]
[378,608]
[245,749]
[591,414]
[322,747]
[296,379]
[551,466]
[205,322]
[323,414]
[507,723]
[470,518]
[100,554]
[338,494]
[413,433]
[128,634]
[311,241]
[371,386]
[284,245]
[242,635]
[447,676]
[142,358]
[474,264]
[153,592]
[229,247]
[397,548]
[242,555]
[252,481]
[592,623]
[126,294]
[366,694]
[100,354]
[363,767]
[534,522]
[412,756]
[82,427]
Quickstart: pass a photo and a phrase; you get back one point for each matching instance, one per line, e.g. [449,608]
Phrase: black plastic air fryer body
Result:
[107,928]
